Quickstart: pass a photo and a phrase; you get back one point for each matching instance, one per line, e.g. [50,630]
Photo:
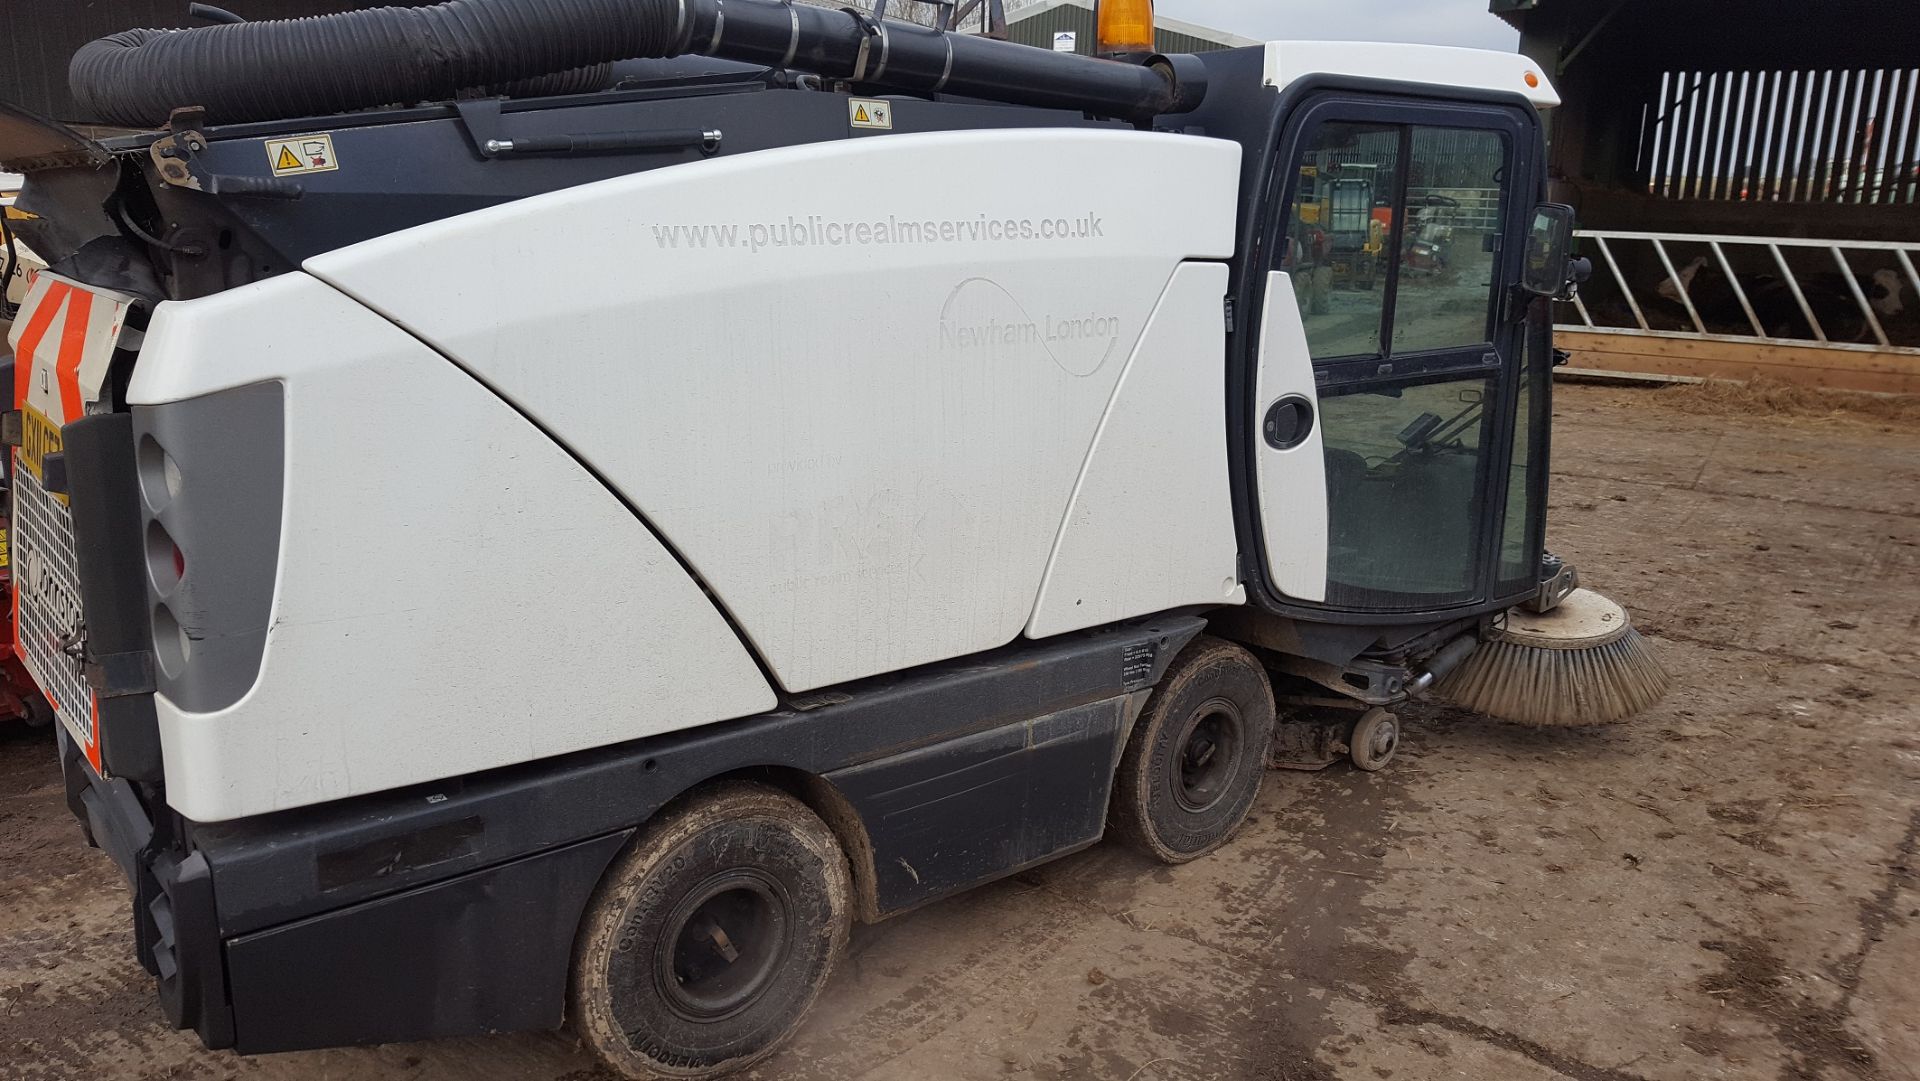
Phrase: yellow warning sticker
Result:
[39,437]
[868,113]
[302,154]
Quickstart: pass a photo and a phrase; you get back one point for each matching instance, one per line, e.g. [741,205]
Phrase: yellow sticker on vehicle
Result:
[39,437]
[870,113]
[302,154]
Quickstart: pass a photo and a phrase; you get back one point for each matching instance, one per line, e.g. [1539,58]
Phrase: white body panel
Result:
[865,443]
[1291,484]
[1434,65]
[1151,523]
[454,592]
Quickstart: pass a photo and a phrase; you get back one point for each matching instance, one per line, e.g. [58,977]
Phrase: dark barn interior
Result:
[1706,116]
[1753,168]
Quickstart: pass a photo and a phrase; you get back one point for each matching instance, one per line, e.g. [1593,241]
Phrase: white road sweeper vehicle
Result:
[693,475]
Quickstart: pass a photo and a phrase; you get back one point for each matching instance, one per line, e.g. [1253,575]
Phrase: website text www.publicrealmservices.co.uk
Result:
[816,230]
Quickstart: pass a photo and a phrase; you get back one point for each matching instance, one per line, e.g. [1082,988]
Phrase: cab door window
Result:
[1522,531]
[1339,224]
[1406,493]
[1362,244]
[1399,305]
[1450,245]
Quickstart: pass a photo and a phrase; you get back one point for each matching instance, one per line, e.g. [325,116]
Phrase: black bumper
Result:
[176,932]
[485,951]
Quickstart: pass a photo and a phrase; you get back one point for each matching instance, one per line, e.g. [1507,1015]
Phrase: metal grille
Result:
[48,584]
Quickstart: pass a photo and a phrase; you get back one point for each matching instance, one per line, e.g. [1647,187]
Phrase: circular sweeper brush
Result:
[1581,663]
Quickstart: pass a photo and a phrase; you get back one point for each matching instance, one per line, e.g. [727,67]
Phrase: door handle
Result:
[1288,422]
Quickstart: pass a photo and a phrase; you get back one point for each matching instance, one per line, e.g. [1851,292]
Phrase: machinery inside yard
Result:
[793,476]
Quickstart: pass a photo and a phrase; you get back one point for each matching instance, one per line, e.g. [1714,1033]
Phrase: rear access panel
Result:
[962,812]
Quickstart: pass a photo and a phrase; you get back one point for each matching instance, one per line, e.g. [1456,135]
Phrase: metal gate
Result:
[1841,314]
[1842,294]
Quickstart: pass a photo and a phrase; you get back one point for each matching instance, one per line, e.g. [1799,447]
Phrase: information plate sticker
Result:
[302,154]
[868,113]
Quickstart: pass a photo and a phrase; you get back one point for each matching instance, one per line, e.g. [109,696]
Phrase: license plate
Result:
[39,437]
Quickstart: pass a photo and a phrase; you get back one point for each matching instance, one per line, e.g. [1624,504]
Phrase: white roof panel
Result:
[1434,65]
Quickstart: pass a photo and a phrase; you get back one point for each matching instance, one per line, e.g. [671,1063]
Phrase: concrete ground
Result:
[1724,888]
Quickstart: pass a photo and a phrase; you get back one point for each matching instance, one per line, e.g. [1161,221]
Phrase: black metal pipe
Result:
[908,57]
[368,58]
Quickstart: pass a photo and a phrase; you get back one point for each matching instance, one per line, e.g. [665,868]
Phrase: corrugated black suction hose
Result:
[361,59]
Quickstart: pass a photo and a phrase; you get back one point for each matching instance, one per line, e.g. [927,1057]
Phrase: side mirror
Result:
[1549,245]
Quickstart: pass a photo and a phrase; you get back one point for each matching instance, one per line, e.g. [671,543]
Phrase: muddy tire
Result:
[709,938]
[1375,740]
[1196,756]
[37,713]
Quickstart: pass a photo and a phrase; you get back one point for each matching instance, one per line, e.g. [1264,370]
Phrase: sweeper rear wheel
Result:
[1375,740]
[710,937]
[1197,754]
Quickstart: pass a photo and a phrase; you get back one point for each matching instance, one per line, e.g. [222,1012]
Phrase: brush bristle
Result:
[1571,687]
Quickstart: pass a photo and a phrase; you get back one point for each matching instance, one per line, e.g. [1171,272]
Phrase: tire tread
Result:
[1201,660]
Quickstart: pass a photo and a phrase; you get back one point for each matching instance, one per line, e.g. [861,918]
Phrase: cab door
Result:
[1383,407]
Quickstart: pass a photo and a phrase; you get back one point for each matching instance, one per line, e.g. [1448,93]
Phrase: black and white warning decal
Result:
[870,113]
[302,154]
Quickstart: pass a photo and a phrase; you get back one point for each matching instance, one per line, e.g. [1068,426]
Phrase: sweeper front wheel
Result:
[1375,740]
[710,937]
[1196,756]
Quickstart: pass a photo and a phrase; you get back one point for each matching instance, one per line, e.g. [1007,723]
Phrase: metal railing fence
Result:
[1479,208]
[1846,294]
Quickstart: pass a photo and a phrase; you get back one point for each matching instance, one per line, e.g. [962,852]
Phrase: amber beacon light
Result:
[1124,27]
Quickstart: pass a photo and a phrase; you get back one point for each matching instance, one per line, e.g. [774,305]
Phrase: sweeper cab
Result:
[563,549]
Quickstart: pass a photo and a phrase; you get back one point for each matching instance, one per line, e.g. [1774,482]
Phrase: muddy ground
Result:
[1724,889]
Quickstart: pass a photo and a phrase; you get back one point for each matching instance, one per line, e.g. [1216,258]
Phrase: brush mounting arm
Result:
[1558,580]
